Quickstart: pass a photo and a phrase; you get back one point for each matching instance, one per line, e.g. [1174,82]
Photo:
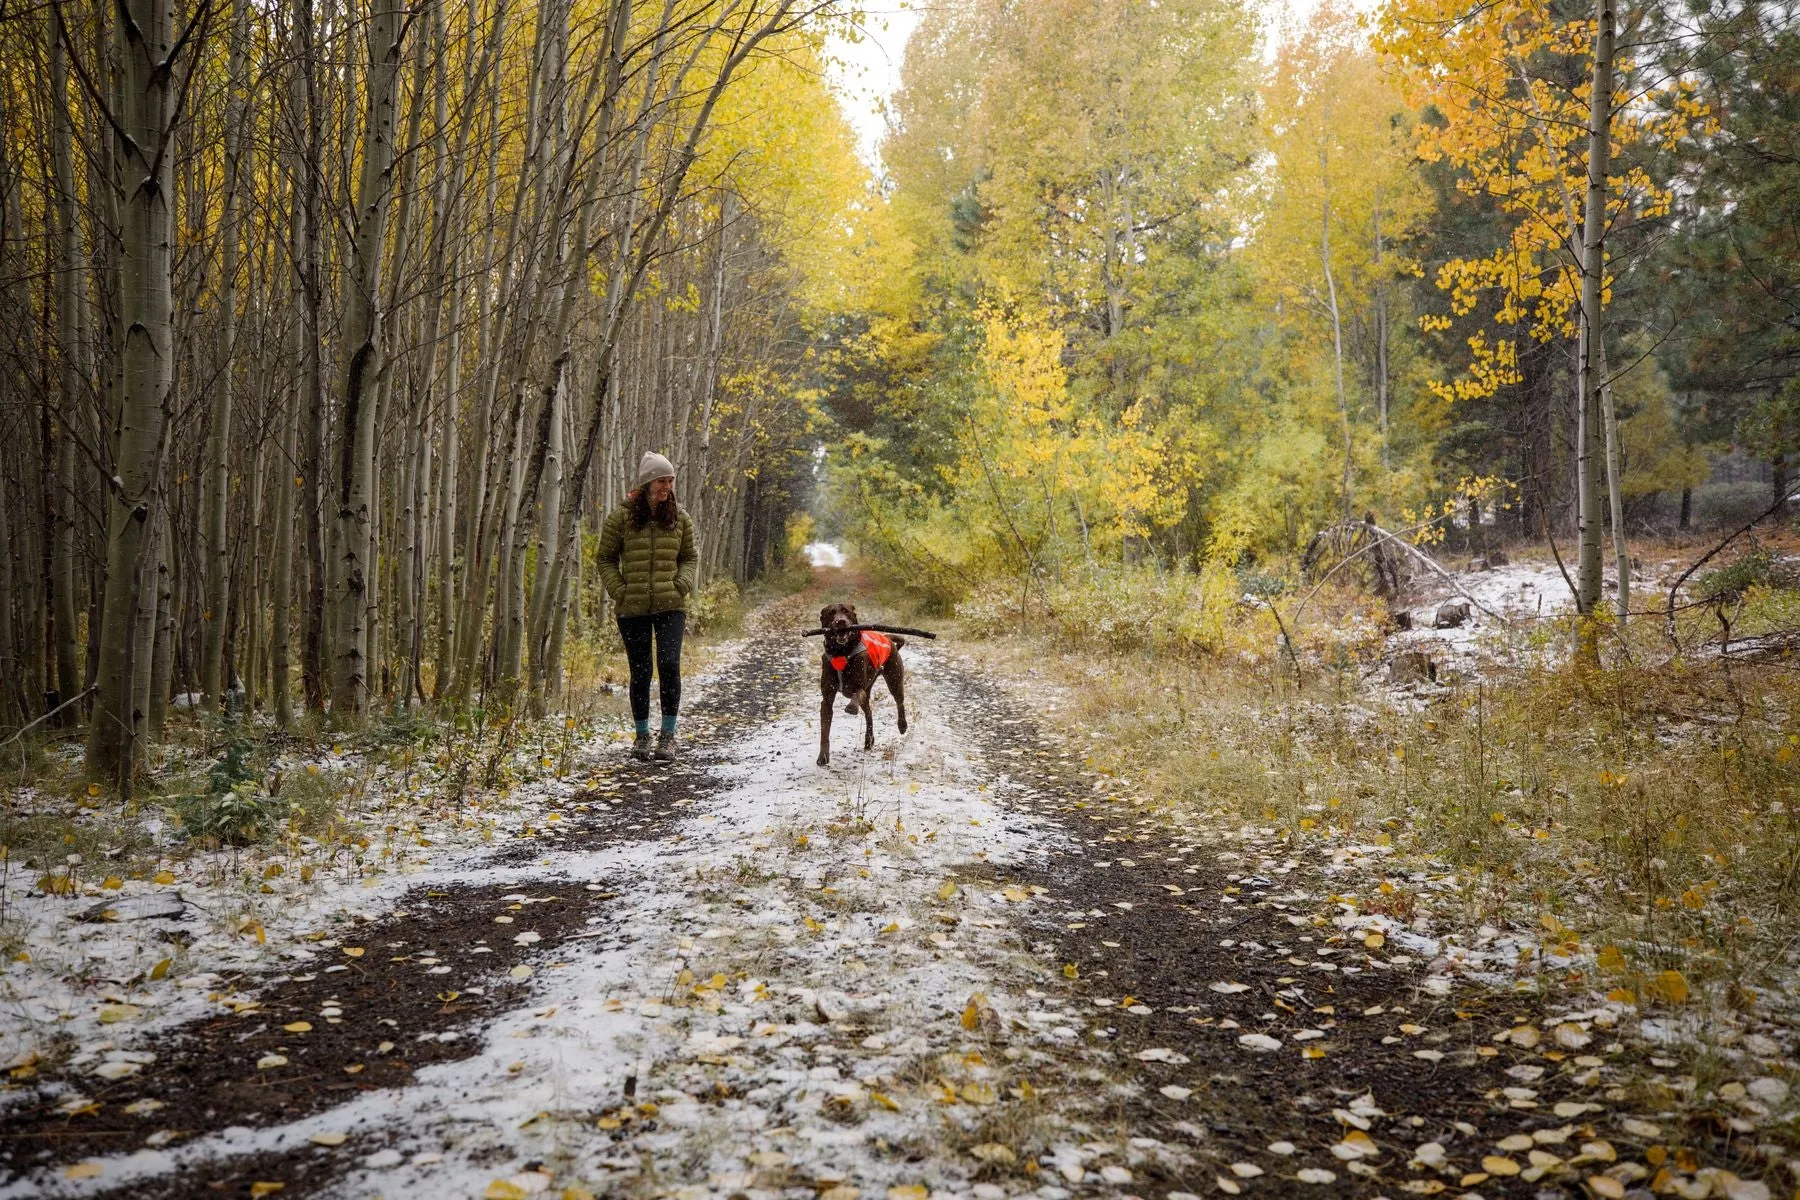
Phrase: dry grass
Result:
[1639,819]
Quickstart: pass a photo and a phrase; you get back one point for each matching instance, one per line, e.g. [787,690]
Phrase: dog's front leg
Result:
[825,726]
[868,708]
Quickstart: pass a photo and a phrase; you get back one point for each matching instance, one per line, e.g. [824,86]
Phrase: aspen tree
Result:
[357,395]
[213,673]
[149,51]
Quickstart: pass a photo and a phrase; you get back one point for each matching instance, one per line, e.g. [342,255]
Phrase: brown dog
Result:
[851,664]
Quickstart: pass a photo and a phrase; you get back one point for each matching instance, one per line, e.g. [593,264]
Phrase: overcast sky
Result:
[870,69]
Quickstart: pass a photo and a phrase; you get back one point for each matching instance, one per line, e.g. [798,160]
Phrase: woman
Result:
[647,561]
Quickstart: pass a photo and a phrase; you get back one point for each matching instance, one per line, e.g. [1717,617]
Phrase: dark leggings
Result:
[636,632]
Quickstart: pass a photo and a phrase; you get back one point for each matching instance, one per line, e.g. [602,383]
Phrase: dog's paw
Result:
[851,708]
[902,724]
[824,760]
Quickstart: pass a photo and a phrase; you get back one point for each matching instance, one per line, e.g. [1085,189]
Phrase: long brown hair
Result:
[641,512]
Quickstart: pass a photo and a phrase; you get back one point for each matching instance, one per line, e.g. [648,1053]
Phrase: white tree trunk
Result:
[146,117]
[357,390]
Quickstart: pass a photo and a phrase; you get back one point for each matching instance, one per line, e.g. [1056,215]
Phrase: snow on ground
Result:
[798,984]
[823,554]
[106,981]
[1517,598]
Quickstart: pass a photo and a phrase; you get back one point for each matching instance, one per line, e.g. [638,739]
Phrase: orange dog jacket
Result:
[876,645]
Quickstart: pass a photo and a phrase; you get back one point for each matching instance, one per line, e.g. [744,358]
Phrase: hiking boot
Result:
[665,747]
[641,748]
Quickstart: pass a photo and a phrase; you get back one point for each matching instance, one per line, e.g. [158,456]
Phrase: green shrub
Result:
[718,607]
[1758,567]
[240,816]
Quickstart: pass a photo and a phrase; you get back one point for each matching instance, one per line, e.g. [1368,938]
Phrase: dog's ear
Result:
[854,619]
[825,615]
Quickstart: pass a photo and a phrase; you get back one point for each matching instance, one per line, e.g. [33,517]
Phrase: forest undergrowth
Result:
[227,798]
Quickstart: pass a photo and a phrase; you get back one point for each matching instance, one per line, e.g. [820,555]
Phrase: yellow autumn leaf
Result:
[1071,971]
[298,1027]
[161,969]
[911,1191]
[977,1092]
[884,1100]
[1611,959]
[87,1169]
[1671,986]
[948,890]
[265,1187]
[163,877]
[354,951]
[504,1189]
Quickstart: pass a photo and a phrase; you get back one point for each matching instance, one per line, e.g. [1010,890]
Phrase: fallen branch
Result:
[1675,588]
[24,729]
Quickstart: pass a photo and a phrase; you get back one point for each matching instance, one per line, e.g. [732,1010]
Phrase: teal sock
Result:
[643,727]
[668,725]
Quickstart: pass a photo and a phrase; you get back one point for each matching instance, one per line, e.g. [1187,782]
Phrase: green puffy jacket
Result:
[648,570]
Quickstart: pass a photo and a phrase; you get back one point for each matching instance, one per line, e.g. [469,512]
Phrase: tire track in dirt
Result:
[1139,910]
[398,994]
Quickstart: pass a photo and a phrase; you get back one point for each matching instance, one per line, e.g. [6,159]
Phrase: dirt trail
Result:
[956,963]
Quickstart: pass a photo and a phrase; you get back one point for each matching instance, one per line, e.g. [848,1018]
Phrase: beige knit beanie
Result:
[653,467]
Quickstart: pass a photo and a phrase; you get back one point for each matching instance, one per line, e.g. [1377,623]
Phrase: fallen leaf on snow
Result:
[1316,1175]
[994,1152]
[269,1062]
[1175,1091]
[1229,989]
[1246,1170]
[83,1170]
[329,1139]
[298,1027]
[1259,1042]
